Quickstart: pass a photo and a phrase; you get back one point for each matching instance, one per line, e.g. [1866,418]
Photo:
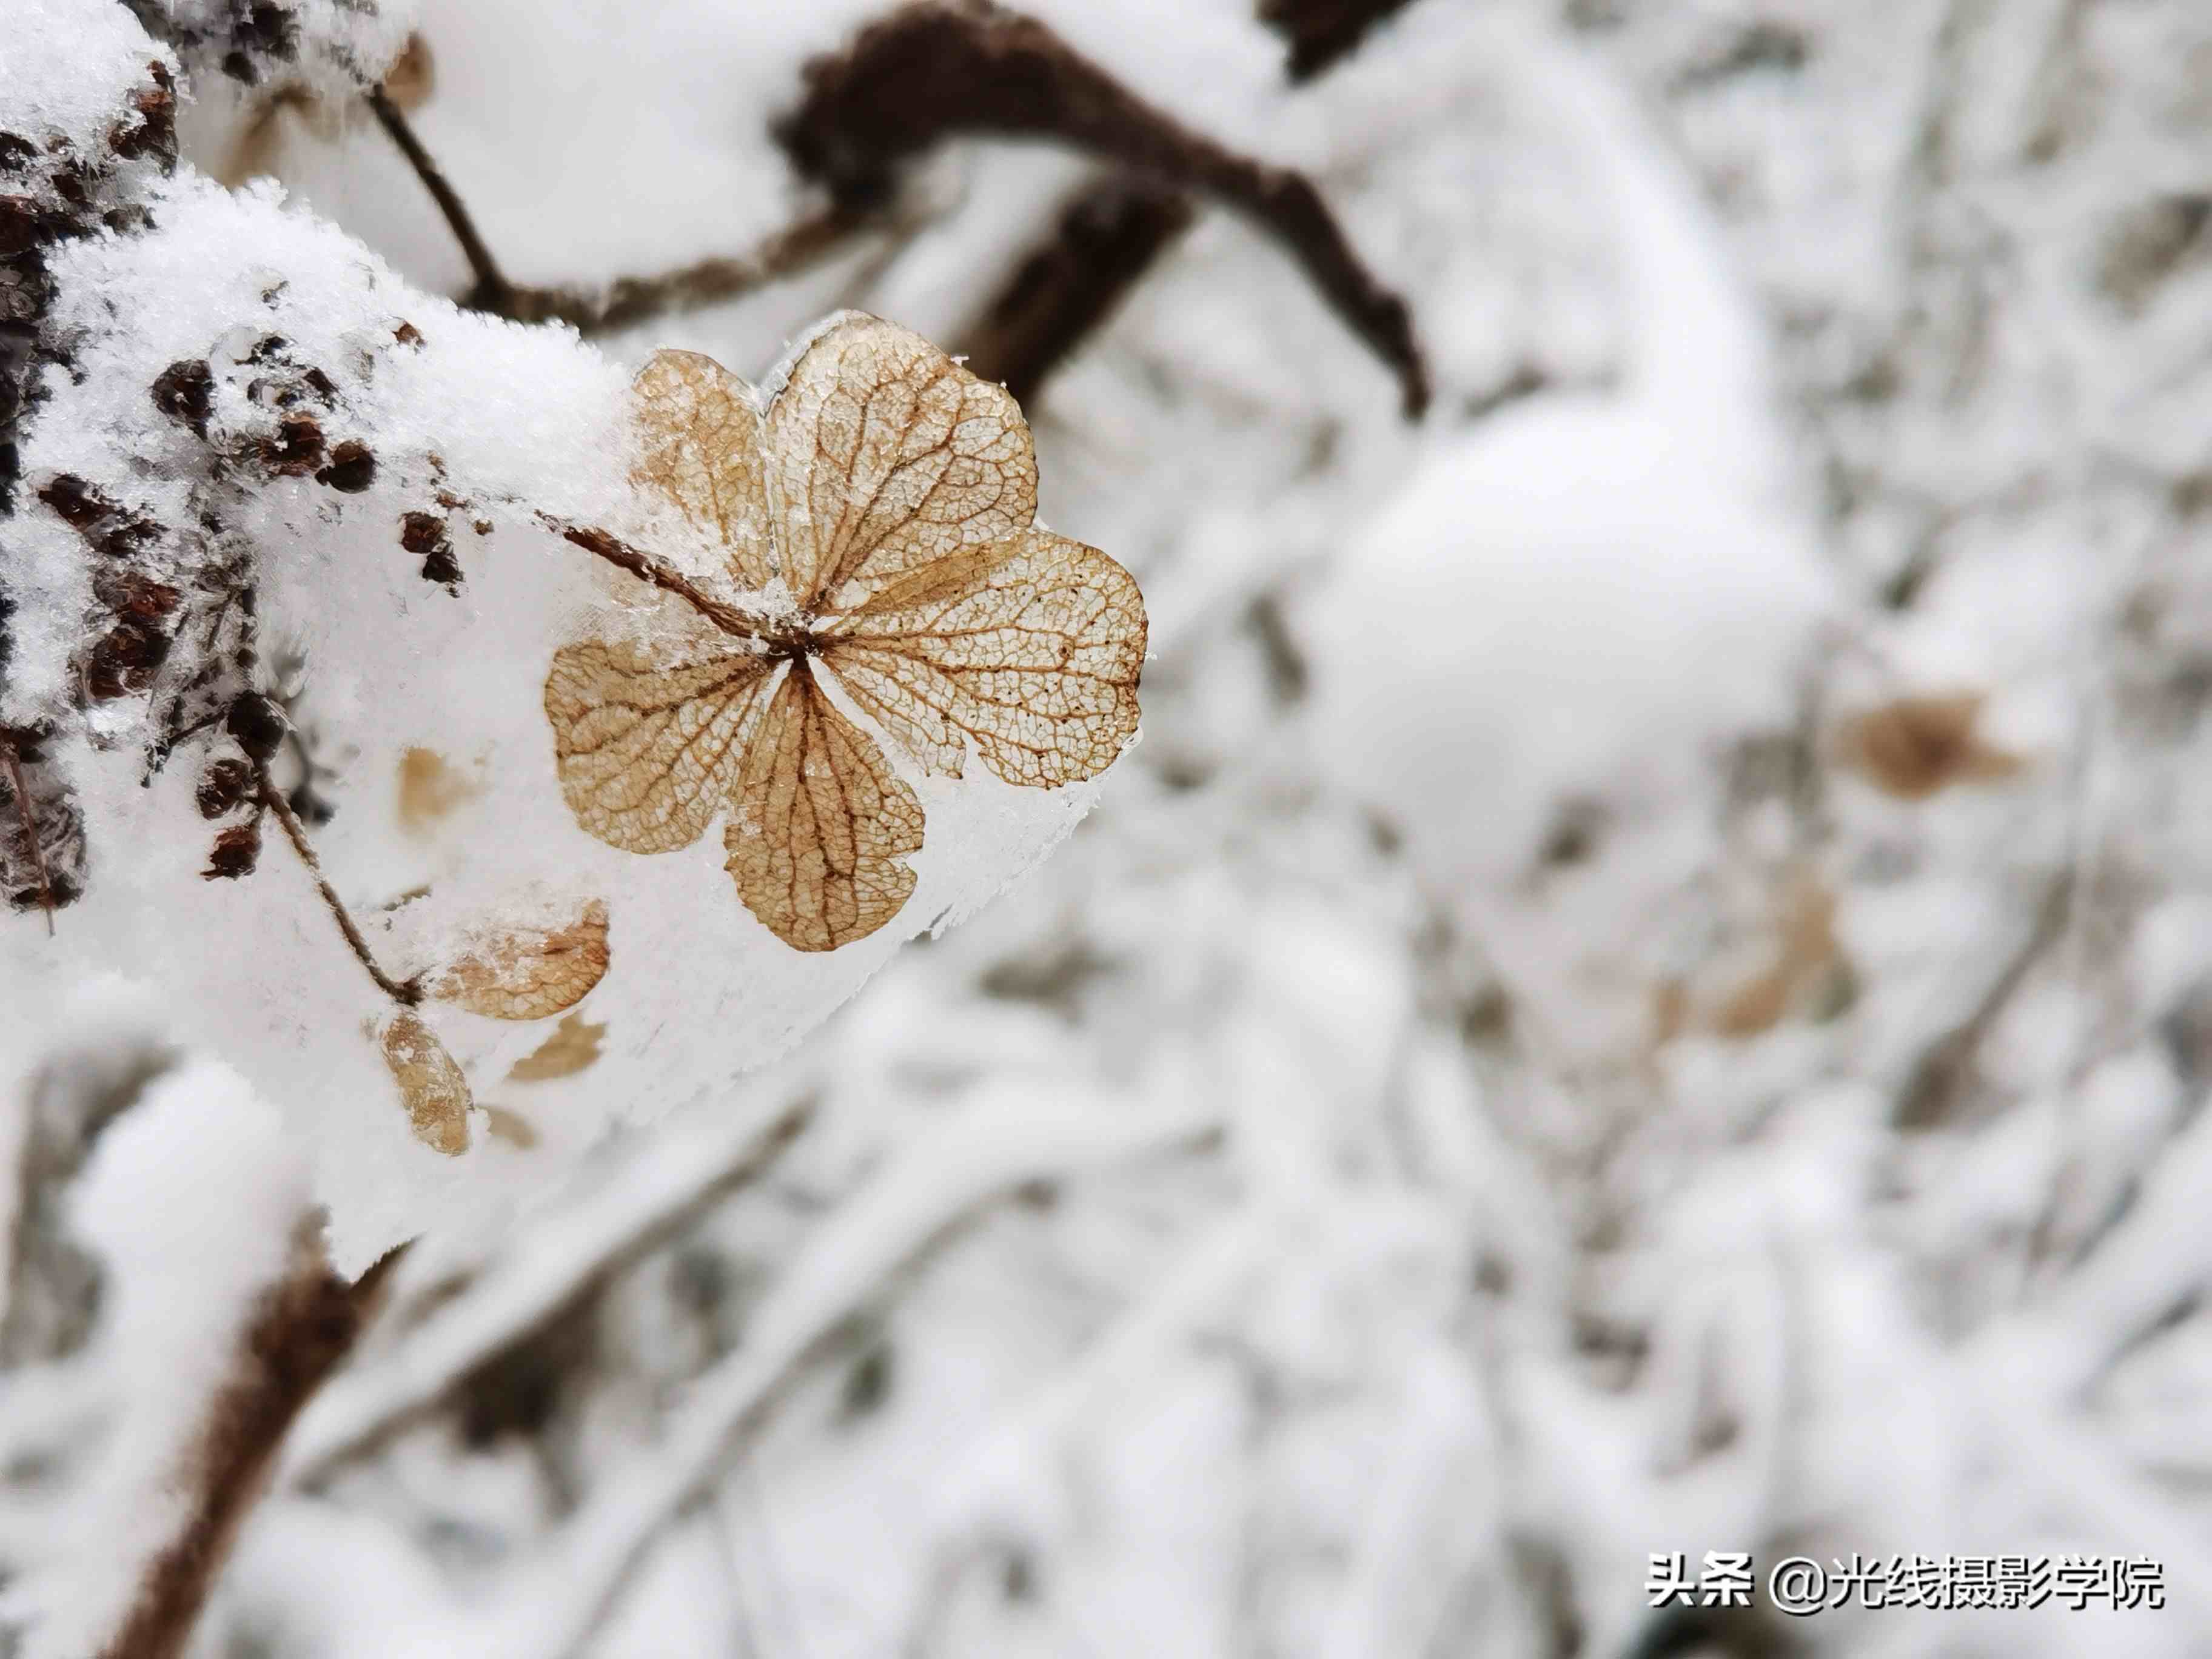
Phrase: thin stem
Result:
[31,834]
[647,569]
[406,993]
[493,292]
[627,299]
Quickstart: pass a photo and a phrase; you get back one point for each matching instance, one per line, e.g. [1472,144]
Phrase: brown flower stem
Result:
[31,833]
[303,1326]
[407,993]
[647,569]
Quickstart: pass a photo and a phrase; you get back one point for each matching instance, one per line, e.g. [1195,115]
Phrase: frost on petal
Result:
[530,973]
[1032,648]
[701,448]
[647,753]
[431,1085]
[819,842]
[885,454]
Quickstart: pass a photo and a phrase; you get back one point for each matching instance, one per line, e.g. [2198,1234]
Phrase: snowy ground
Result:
[1647,988]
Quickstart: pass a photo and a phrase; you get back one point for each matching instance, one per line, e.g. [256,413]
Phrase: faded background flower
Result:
[1646,988]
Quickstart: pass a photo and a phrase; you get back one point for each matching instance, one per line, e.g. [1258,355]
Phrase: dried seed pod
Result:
[236,851]
[184,392]
[352,468]
[223,786]
[295,449]
[259,725]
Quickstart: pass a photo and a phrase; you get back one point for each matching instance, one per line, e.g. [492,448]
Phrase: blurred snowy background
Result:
[1647,988]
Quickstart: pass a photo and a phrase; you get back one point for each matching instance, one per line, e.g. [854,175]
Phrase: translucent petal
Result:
[529,973]
[1031,649]
[647,753]
[701,447]
[822,825]
[886,454]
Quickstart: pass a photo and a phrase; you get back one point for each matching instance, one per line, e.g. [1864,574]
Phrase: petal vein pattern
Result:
[887,454]
[1031,648]
[647,754]
[894,494]
[701,448]
[822,825]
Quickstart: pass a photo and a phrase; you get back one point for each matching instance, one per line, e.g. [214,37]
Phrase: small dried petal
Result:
[431,1085]
[530,973]
[429,789]
[573,1046]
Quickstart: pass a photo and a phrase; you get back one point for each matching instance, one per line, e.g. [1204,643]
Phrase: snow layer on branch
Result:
[332,48]
[66,67]
[390,672]
[191,1202]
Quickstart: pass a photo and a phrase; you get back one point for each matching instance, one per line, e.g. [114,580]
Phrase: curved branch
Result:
[936,68]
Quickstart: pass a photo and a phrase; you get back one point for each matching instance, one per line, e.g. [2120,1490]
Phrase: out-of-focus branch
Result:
[1932,1088]
[863,1252]
[1100,247]
[1320,32]
[493,292]
[798,247]
[627,299]
[302,1327]
[938,68]
[566,1262]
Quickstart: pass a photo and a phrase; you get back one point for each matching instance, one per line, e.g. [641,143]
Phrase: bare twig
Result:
[1101,244]
[304,1325]
[627,299]
[407,993]
[492,291]
[647,569]
[937,69]
[1930,1091]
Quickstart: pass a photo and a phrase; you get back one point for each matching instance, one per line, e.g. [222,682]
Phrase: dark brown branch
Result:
[1322,31]
[30,830]
[1103,243]
[628,299]
[304,1325]
[407,993]
[631,300]
[937,69]
[492,291]
[620,555]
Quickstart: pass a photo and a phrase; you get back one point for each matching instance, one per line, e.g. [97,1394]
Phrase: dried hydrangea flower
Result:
[878,510]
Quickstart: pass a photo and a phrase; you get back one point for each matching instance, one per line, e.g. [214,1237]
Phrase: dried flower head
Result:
[876,514]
